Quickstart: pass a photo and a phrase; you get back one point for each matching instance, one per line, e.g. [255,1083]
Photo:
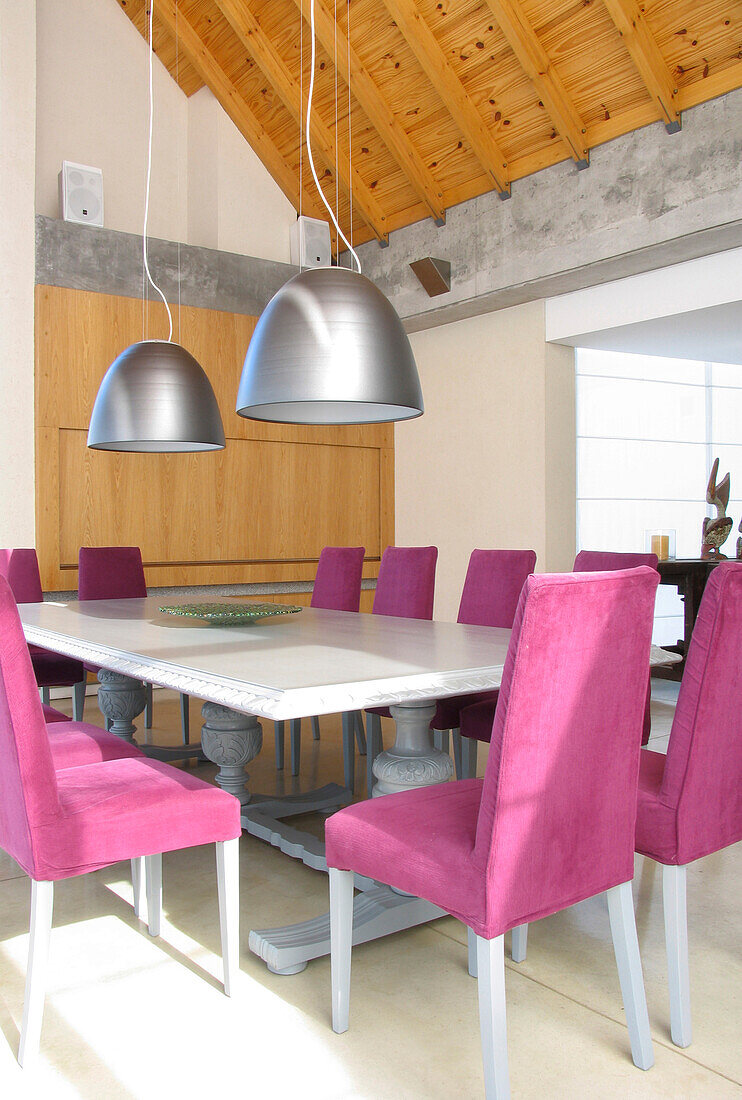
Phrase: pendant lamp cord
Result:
[153,284]
[309,148]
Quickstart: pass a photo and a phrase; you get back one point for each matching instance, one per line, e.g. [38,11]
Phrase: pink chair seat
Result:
[426,835]
[122,809]
[54,669]
[553,821]
[477,719]
[690,801]
[59,822]
[75,744]
[449,711]
[53,715]
[656,822]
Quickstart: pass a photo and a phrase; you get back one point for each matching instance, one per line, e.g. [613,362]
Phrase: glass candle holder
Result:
[661,543]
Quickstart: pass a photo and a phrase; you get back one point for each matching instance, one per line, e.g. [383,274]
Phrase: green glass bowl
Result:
[230,614]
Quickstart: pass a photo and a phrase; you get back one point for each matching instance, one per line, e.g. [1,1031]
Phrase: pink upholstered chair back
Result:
[558,811]
[406,582]
[337,585]
[111,573]
[28,786]
[590,561]
[703,770]
[493,585]
[21,570]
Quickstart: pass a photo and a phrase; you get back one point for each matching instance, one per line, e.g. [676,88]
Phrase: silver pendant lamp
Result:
[155,396]
[329,347]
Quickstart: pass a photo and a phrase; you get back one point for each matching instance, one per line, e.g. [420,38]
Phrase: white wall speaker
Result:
[310,243]
[81,194]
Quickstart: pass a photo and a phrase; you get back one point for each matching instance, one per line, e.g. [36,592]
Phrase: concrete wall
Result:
[647,200]
[491,463]
[208,187]
[17,110]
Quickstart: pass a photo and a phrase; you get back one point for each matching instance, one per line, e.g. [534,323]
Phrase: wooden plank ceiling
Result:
[448,98]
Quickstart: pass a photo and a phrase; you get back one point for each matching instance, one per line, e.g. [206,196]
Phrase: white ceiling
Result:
[711,335]
[691,310]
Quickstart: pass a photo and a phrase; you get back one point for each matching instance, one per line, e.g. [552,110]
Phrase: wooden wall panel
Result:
[261,510]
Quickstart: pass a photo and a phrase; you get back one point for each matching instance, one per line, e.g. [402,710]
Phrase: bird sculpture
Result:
[715,531]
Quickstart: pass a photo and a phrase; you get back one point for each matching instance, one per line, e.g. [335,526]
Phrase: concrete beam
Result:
[645,203]
[109,262]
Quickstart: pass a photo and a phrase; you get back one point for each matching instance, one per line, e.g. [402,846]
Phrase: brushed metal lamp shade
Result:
[329,348]
[155,397]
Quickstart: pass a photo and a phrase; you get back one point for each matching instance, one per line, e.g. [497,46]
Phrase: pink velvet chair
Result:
[553,820]
[21,570]
[490,595]
[337,587]
[690,801]
[405,588]
[476,718]
[117,573]
[58,824]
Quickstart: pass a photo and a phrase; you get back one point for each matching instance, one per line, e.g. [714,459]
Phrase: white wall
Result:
[491,462]
[233,203]
[208,187]
[17,109]
[93,108]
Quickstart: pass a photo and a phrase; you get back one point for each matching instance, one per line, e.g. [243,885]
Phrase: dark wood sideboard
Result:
[689,576]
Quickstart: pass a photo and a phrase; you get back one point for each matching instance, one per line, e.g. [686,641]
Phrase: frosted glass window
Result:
[648,430]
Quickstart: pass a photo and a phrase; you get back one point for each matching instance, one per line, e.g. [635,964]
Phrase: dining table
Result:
[292,664]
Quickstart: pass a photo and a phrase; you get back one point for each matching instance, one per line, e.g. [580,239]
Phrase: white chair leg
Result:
[360,732]
[153,874]
[228,887]
[148,707]
[139,887]
[628,961]
[468,757]
[492,1019]
[295,729]
[315,727]
[349,750]
[278,729]
[471,948]
[519,943]
[78,700]
[676,944]
[341,942]
[42,904]
[374,745]
[457,761]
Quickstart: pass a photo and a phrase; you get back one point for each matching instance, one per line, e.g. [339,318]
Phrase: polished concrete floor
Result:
[131,1017]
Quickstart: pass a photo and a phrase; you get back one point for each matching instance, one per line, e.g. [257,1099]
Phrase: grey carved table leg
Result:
[231,740]
[120,700]
[412,761]
[377,910]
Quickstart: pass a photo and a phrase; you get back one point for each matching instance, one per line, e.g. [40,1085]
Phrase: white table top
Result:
[287,666]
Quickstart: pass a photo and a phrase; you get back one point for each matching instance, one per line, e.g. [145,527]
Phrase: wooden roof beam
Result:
[535,62]
[247,28]
[444,79]
[651,66]
[228,95]
[378,112]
